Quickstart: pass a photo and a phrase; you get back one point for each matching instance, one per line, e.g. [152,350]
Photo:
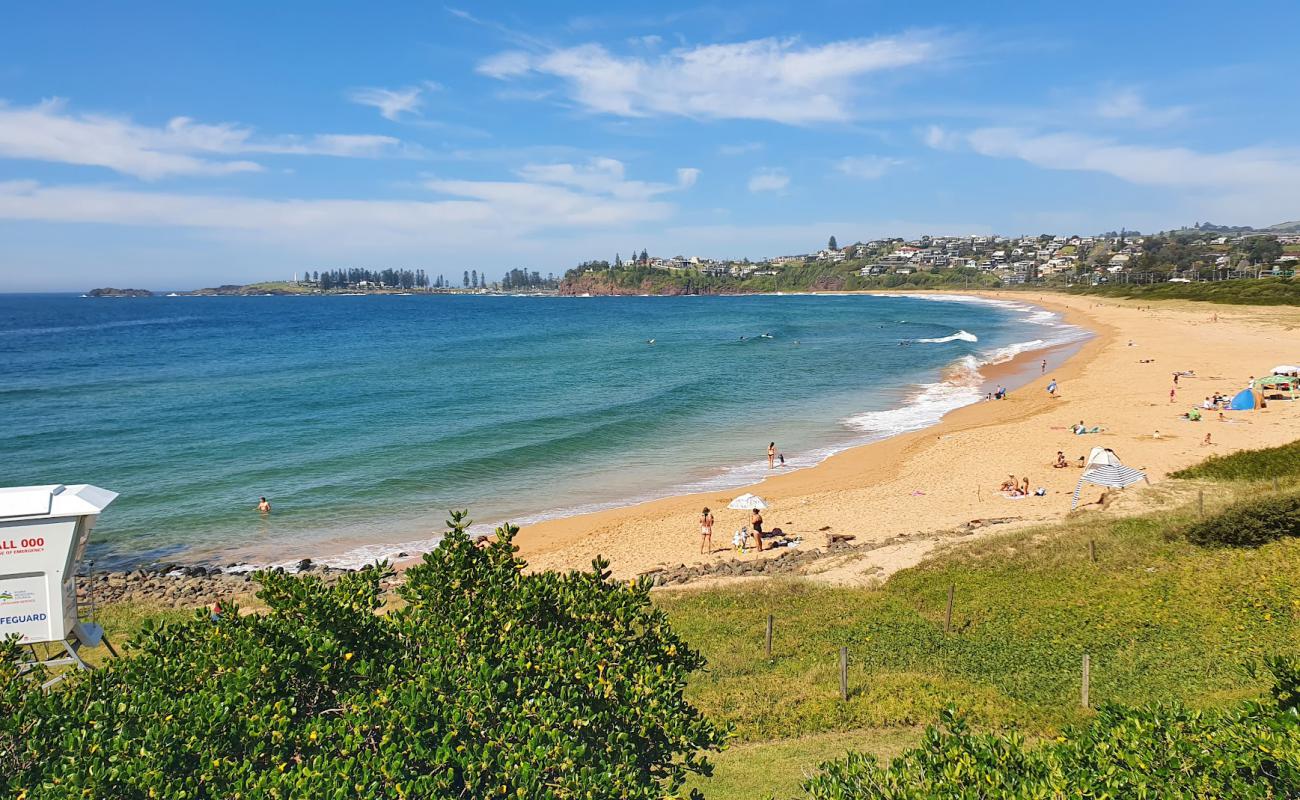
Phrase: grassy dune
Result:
[1160,618]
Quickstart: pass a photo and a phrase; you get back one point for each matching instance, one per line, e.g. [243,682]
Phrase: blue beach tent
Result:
[1244,401]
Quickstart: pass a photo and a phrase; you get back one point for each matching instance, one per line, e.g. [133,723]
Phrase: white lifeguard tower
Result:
[43,533]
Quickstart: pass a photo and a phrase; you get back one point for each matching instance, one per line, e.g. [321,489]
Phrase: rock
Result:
[305,565]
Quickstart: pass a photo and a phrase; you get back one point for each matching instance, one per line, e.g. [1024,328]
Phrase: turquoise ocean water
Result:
[365,418]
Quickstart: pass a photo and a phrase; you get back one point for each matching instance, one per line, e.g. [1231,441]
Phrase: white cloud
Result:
[740,148]
[593,196]
[940,139]
[604,176]
[1127,105]
[866,167]
[781,80]
[392,103]
[1241,169]
[48,132]
[768,180]
[509,64]
[1248,183]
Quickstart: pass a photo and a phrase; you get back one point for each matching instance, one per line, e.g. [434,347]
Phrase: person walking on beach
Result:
[771,456]
[756,521]
[706,530]
[1051,388]
[1172,392]
[264,506]
[1043,369]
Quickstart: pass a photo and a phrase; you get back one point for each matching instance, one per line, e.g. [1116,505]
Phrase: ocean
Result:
[364,419]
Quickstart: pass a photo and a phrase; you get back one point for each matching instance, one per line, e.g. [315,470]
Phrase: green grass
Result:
[1246,291]
[1249,465]
[778,768]
[1160,618]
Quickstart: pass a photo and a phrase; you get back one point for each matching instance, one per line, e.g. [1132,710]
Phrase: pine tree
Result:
[465,280]
[831,245]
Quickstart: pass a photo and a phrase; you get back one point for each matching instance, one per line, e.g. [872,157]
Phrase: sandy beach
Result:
[946,475]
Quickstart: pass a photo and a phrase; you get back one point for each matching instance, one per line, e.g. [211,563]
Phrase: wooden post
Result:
[1092,550]
[1200,501]
[844,674]
[1275,483]
[1087,676]
[769,636]
[947,617]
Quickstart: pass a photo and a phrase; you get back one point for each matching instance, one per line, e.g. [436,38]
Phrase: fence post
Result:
[1092,550]
[1275,483]
[1200,502]
[844,674]
[769,636]
[947,617]
[1087,677]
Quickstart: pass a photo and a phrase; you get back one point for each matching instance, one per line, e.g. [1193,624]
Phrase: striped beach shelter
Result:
[1104,468]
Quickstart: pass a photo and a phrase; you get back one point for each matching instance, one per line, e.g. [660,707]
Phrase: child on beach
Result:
[739,539]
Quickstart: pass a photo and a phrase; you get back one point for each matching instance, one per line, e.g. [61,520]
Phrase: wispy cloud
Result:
[593,196]
[782,80]
[47,131]
[392,103]
[740,148]
[866,167]
[1250,180]
[604,176]
[768,179]
[1128,105]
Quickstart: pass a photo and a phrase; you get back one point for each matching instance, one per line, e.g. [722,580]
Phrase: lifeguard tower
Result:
[43,534]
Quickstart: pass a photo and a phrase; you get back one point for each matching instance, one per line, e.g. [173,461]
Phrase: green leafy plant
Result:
[488,682]
[1166,751]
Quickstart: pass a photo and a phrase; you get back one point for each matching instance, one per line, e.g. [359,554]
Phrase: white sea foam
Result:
[959,336]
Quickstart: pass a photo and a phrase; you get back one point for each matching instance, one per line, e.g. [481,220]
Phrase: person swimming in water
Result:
[264,506]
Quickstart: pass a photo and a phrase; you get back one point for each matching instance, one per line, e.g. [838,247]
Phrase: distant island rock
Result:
[111,292]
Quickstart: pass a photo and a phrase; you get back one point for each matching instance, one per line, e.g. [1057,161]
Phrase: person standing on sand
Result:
[264,506]
[706,530]
[1043,370]
[771,456]
[756,521]
[1172,392]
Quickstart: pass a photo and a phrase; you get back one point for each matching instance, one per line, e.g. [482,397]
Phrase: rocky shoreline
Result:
[194,586]
[185,586]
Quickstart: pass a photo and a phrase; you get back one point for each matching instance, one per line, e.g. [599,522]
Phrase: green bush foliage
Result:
[489,682]
[1249,524]
[1252,751]
[1248,465]
[1244,291]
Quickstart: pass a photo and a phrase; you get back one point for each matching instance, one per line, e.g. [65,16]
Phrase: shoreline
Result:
[924,479]
[1010,369]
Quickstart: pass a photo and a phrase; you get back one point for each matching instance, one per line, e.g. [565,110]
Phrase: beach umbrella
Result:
[747,501]
[1105,469]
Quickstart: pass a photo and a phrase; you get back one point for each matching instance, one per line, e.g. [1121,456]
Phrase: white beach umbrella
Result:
[747,501]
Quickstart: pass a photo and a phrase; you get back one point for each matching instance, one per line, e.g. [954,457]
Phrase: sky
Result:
[171,145]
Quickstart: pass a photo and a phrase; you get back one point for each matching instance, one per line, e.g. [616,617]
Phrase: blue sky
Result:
[173,145]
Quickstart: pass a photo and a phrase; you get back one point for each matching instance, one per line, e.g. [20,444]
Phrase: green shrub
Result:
[1252,751]
[1248,465]
[1246,291]
[1249,524]
[489,682]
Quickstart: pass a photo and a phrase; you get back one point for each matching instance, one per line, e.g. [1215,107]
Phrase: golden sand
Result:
[946,475]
